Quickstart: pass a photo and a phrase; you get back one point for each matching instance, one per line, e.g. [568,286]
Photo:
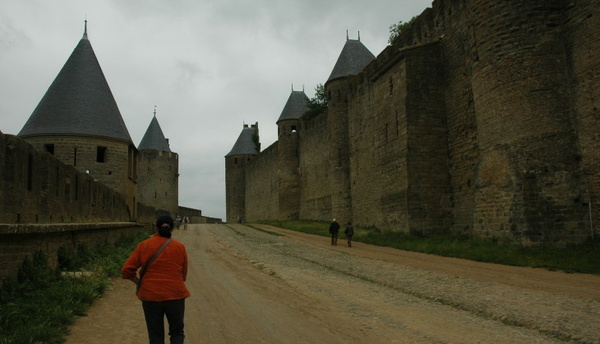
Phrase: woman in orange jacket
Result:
[161,285]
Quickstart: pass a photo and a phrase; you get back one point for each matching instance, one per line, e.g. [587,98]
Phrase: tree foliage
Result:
[316,104]
[397,29]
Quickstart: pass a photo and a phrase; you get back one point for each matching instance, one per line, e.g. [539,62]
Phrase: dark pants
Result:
[155,311]
[334,237]
[349,240]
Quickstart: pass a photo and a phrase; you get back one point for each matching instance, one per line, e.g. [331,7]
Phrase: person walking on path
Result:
[161,286]
[334,229]
[349,231]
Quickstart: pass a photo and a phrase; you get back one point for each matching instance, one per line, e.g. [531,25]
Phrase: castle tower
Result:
[288,131]
[352,60]
[246,147]
[78,121]
[158,171]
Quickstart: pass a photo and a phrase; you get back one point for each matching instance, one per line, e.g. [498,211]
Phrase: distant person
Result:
[178,221]
[161,286]
[334,229]
[186,220]
[349,231]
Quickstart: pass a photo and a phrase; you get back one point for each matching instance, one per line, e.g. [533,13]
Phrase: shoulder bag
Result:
[145,267]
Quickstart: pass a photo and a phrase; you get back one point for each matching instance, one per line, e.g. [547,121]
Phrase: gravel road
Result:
[279,286]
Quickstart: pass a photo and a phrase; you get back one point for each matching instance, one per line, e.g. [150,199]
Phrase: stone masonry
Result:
[480,119]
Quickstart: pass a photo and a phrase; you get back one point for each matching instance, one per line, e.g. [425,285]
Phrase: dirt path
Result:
[579,285]
[249,286]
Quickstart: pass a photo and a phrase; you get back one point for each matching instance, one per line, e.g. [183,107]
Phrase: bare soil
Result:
[249,286]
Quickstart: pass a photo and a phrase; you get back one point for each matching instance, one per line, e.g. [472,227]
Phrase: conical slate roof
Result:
[352,60]
[79,101]
[154,139]
[245,143]
[295,107]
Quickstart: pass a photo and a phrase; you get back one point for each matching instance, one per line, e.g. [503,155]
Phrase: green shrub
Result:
[39,305]
[317,104]
[397,29]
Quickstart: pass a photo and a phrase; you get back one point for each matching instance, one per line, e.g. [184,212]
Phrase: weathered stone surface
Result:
[481,118]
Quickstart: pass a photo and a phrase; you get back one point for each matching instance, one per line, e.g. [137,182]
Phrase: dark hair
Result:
[164,224]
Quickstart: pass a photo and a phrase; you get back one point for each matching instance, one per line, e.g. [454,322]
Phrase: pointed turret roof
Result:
[245,144]
[296,106]
[352,60]
[78,101]
[154,139]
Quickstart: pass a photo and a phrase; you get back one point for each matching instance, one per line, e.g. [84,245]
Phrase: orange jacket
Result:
[165,278]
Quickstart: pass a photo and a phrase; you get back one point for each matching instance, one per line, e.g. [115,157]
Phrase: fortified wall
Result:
[46,205]
[481,119]
[37,188]
[315,181]
[262,183]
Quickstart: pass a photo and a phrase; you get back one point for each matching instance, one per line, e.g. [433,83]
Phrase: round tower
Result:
[158,171]
[244,149]
[78,121]
[289,127]
[352,60]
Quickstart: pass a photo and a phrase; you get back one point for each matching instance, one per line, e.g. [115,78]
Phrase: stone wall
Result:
[37,188]
[480,119]
[314,177]
[46,204]
[109,161]
[583,44]
[262,184]
[398,144]
[18,242]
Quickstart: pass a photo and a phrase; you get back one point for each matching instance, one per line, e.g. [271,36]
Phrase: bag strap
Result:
[145,267]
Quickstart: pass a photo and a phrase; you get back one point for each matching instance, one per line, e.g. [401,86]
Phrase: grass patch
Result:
[40,304]
[582,258]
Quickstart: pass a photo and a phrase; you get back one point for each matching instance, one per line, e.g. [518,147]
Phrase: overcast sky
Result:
[208,66]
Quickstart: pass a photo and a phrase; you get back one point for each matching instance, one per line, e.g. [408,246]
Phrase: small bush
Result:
[397,29]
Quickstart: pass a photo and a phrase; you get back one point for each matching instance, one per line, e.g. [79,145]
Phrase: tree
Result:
[397,29]
[316,104]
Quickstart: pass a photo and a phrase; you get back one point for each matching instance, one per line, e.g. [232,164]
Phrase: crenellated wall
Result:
[480,119]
